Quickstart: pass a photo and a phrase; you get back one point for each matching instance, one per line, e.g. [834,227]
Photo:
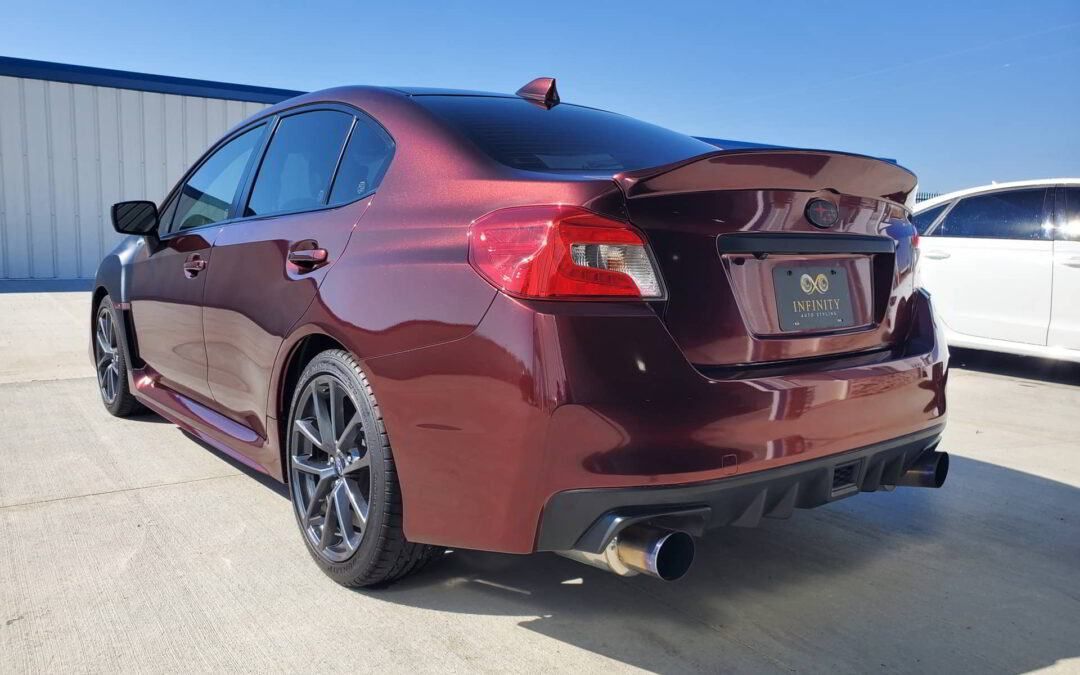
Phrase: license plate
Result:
[812,297]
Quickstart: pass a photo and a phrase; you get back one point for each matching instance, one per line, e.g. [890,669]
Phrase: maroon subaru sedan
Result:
[503,322]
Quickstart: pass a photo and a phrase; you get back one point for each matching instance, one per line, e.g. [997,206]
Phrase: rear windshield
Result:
[569,138]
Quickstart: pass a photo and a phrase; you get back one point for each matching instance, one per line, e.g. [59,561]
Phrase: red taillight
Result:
[561,252]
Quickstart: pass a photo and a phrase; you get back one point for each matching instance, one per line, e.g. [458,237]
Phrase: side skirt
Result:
[234,439]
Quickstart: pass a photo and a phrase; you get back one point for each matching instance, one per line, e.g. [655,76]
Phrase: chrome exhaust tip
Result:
[643,549]
[929,471]
[664,554]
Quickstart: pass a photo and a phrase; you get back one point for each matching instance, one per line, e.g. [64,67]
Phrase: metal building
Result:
[74,140]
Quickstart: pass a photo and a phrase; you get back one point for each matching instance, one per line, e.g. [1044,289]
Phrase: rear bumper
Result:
[586,520]
[494,433]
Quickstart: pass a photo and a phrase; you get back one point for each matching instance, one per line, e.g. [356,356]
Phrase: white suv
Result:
[1002,263]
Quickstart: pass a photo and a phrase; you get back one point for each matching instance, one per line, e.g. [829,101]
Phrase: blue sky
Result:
[961,92]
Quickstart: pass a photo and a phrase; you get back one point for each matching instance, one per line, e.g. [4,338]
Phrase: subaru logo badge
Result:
[822,213]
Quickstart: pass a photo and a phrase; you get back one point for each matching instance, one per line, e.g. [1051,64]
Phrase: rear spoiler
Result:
[769,169]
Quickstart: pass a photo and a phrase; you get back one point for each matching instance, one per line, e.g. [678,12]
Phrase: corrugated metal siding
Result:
[69,151]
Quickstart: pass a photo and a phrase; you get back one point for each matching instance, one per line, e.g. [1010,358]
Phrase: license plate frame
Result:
[813,297]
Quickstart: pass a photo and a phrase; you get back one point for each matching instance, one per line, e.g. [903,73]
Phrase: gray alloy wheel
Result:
[107,355]
[110,362]
[330,469]
[342,478]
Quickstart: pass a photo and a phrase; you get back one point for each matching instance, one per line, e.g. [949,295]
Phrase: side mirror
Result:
[134,217]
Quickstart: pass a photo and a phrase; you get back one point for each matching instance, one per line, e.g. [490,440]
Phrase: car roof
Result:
[439,91]
[993,187]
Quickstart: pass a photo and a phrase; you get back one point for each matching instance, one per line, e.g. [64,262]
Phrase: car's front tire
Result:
[342,479]
[111,362]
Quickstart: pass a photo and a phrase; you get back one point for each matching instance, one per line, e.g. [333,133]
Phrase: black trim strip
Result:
[802,242]
[585,519]
[811,364]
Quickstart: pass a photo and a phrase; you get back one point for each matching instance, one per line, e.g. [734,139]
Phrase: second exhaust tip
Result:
[929,471]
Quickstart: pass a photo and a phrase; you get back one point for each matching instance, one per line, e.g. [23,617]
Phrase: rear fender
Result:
[277,404]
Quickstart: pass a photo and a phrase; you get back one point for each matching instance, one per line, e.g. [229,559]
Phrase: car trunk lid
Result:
[751,280]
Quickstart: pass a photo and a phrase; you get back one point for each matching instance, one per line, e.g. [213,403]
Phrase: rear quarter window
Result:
[565,138]
[364,163]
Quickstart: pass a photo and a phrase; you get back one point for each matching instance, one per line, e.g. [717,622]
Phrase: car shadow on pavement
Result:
[268,482]
[1026,367]
[150,417]
[979,576]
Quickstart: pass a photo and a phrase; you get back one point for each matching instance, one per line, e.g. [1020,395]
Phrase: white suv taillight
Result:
[562,252]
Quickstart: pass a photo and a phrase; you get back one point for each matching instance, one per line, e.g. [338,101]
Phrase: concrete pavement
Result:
[127,546]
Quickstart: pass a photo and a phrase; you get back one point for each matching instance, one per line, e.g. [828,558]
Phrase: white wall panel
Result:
[175,146]
[234,113]
[39,196]
[153,157]
[132,143]
[111,176]
[69,151]
[89,204]
[251,108]
[196,137]
[13,178]
[216,123]
[62,165]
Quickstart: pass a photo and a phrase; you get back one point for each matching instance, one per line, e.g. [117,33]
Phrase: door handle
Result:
[193,265]
[937,255]
[308,255]
[1074,261]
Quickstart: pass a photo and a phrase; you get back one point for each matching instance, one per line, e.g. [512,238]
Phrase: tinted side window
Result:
[210,191]
[166,217]
[366,159]
[1017,214]
[295,173]
[1070,219]
[925,219]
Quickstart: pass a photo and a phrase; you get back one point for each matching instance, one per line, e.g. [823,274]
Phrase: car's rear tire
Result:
[111,364]
[342,477]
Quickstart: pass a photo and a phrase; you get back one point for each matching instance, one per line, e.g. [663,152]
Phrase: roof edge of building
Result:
[123,79]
